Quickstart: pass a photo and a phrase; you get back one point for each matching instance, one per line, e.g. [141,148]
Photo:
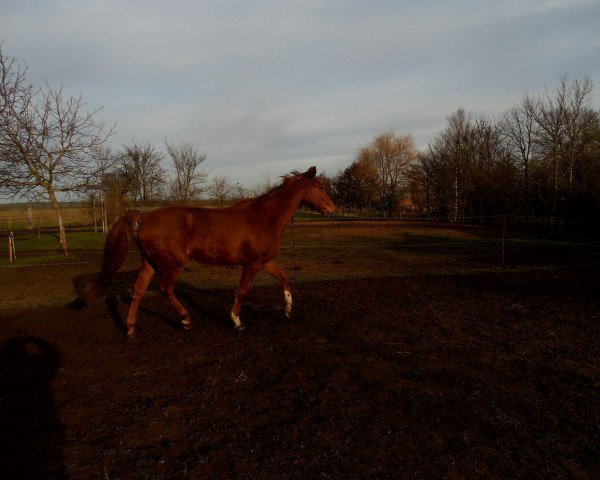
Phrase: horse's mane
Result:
[277,191]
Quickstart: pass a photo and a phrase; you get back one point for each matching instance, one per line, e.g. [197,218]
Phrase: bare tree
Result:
[567,127]
[188,180]
[519,128]
[448,164]
[105,161]
[580,126]
[390,157]
[492,171]
[550,119]
[257,189]
[47,140]
[117,200]
[420,184]
[221,190]
[142,167]
[356,186]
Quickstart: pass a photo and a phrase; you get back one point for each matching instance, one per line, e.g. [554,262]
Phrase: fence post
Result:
[30,217]
[94,214]
[11,248]
[504,239]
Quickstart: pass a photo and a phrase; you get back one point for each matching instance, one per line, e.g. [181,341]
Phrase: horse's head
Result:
[316,198]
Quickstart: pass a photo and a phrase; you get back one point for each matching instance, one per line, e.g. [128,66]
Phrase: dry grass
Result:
[16,216]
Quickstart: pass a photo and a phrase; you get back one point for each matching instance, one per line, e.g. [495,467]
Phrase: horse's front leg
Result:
[248,273]
[272,268]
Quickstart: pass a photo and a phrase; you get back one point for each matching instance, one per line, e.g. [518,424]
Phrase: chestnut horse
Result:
[247,233]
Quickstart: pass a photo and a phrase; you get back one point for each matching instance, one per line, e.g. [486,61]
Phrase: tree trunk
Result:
[61,227]
[63,238]
[456,197]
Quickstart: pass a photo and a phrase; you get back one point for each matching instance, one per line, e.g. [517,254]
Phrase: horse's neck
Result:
[282,209]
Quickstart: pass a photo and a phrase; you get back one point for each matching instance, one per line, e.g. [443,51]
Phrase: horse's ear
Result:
[311,172]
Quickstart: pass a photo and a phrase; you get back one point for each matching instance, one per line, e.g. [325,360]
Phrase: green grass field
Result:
[37,248]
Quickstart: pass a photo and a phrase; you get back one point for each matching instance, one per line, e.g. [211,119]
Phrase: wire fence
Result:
[500,230]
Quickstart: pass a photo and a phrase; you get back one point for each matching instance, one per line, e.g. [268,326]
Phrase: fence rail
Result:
[46,230]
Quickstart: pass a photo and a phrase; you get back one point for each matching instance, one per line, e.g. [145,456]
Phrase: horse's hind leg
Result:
[272,268]
[139,289]
[167,285]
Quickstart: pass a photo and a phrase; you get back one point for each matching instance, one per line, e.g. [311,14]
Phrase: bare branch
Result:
[188,180]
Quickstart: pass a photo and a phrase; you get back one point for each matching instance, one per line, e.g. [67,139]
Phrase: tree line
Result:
[541,158]
[135,178]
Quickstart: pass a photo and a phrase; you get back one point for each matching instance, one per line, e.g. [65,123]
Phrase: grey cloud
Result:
[261,84]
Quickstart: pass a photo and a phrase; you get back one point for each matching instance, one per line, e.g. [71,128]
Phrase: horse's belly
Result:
[229,253]
[217,255]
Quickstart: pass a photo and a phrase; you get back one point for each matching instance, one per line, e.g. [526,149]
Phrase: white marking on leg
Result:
[236,320]
[287,295]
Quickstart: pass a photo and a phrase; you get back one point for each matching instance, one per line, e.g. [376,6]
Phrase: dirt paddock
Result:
[397,363]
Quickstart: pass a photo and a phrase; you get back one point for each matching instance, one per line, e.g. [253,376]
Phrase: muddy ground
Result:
[434,363]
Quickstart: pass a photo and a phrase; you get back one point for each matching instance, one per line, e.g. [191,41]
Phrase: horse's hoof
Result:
[186,324]
[130,335]
[236,321]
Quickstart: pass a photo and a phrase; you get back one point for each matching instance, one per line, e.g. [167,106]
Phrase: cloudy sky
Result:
[266,86]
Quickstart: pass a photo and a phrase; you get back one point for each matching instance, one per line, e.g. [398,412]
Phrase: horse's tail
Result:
[115,252]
